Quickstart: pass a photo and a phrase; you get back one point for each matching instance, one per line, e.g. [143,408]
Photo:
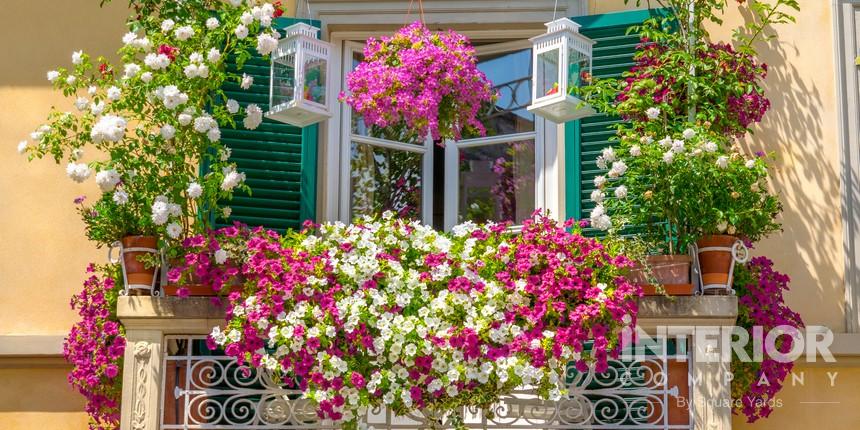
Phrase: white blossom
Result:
[96,108]
[710,146]
[81,103]
[608,154]
[160,212]
[71,79]
[168,131]
[232,179]
[195,57]
[266,43]
[214,134]
[146,77]
[194,190]
[113,93]
[212,23]
[599,181]
[599,219]
[253,117]
[78,172]
[167,25]
[750,163]
[196,71]
[621,192]
[232,106]
[92,90]
[129,38]
[185,119]
[53,75]
[689,133]
[646,140]
[172,97]
[241,31]
[678,146]
[247,81]
[597,196]
[226,211]
[156,61]
[120,197]
[618,169]
[213,55]
[220,256]
[109,128]
[247,18]
[722,162]
[203,123]
[635,150]
[668,157]
[107,180]
[666,142]
[653,113]
[77,57]
[235,3]
[601,162]
[22,146]
[142,43]
[174,230]
[131,70]
[184,33]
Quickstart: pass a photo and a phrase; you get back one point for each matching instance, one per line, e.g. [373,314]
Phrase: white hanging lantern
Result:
[299,74]
[561,60]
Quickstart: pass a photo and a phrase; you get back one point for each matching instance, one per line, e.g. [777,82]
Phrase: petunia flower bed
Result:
[392,313]
[420,82]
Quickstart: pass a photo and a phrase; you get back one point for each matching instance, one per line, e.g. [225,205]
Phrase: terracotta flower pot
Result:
[136,272]
[672,273]
[716,262]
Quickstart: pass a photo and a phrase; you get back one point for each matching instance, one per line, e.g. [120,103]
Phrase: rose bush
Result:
[389,312]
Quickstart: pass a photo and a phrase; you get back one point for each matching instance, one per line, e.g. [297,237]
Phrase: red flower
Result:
[278,9]
[169,51]
[105,69]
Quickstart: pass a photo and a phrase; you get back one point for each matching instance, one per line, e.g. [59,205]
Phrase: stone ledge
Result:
[199,313]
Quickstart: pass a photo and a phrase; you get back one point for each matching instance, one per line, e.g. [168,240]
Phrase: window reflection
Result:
[385,179]
[497,182]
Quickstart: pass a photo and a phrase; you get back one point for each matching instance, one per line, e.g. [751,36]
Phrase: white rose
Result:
[241,31]
[232,106]
[174,230]
[77,57]
[668,157]
[653,113]
[113,93]
[247,81]
[120,197]
[194,190]
[750,163]
[167,25]
[146,77]
[635,150]
[621,192]
[168,131]
[689,133]
[213,55]
[212,23]
[184,33]
[107,180]
[22,146]
[722,162]
[53,75]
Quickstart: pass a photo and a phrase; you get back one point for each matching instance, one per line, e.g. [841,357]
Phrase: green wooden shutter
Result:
[279,160]
[586,138]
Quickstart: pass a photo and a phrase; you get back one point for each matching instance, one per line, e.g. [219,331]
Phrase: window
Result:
[480,178]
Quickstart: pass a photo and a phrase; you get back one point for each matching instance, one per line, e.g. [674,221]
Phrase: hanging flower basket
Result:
[423,82]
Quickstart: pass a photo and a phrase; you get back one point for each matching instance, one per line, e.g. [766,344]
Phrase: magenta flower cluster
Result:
[762,304]
[392,313]
[426,82]
[95,348]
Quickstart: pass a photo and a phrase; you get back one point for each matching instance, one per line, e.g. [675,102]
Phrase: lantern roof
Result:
[561,27]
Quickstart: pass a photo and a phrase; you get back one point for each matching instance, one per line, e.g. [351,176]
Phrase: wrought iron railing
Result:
[204,390]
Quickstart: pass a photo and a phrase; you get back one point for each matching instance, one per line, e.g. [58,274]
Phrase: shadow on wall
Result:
[38,36]
[806,172]
[38,390]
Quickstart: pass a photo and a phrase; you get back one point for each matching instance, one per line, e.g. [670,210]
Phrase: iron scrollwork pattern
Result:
[212,392]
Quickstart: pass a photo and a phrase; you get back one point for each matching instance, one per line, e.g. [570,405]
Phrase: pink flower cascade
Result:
[424,81]
[95,348]
[762,304]
[390,312]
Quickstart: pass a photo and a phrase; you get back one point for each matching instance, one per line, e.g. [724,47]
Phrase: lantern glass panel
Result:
[578,70]
[548,73]
[315,79]
[283,80]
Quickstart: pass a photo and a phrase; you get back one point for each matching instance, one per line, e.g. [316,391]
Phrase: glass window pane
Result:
[283,80]
[548,72]
[577,70]
[315,80]
[497,182]
[511,75]
[385,179]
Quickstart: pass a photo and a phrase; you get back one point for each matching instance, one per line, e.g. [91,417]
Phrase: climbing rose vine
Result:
[760,289]
[421,81]
[389,312]
[95,348]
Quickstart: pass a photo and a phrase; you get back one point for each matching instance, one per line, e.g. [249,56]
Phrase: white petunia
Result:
[183,33]
[668,157]
[77,57]
[689,133]
[167,25]
[174,230]
[241,31]
[212,23]
[107,180]
[653,113]
[253,117]
[247,81]
[232,106]
[220,256]
[109,128]
[113,93]
[213,55]
[635,150]
[168,131]
[722,162]
[22,146]
[131,70]
[78,172]
[194,190]
[120,197]
[266,44]
[621,192]
[53,75]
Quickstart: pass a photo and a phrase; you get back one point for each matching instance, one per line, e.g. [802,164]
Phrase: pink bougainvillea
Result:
[391,312]
[422,81]
[760,289]
[95,348]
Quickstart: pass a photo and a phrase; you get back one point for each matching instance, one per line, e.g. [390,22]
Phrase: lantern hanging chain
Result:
[554,10]
[409,12]
[299,8]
